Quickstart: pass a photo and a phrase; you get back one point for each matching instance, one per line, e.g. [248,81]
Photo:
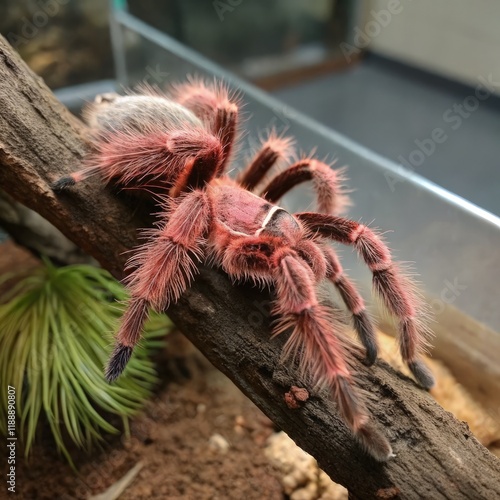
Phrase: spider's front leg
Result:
[322,354]
[395,289]
[164,267]
[327,183]
[274,150]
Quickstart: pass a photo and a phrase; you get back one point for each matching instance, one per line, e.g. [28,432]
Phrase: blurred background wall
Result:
[458,39]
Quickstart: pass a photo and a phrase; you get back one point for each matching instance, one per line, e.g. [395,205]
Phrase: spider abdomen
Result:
[113,113]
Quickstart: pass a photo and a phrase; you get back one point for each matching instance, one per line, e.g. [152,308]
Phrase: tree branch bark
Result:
[40,237]
[437,456]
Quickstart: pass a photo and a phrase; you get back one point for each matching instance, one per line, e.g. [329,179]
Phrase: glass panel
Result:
[454,243]
[255,39]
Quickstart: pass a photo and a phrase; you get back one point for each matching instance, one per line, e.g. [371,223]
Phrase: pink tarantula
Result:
[178,145]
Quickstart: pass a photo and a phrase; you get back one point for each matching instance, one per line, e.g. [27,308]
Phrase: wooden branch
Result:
[38,235]
[437,456]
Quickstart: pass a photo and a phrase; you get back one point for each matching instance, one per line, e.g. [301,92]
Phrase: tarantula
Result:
[179,145]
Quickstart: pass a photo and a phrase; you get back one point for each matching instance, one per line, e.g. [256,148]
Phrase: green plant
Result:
[56,334]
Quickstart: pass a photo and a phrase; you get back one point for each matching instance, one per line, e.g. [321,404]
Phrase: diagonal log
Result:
[437,456]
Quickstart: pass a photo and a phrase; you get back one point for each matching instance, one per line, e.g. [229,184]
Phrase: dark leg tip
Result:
[374,442]
[366,334]
[63,183]
[117,362]
[423,375]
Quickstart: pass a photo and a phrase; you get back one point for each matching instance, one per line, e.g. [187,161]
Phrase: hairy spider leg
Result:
[325,264]
[163,269]
[327,184]
[354,303]
[273,150]
[395,289]
[177,160]
[321,354]
[213,105]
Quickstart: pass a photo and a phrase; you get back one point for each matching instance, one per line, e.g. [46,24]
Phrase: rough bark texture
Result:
[437,457]
[32,231]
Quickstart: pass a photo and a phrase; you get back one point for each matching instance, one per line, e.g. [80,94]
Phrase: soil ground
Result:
[199,438]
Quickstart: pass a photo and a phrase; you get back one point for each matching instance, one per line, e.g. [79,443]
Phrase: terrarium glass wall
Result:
[254,39]
[451,241]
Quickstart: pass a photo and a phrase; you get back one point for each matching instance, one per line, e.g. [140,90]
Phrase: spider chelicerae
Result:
[179,145]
